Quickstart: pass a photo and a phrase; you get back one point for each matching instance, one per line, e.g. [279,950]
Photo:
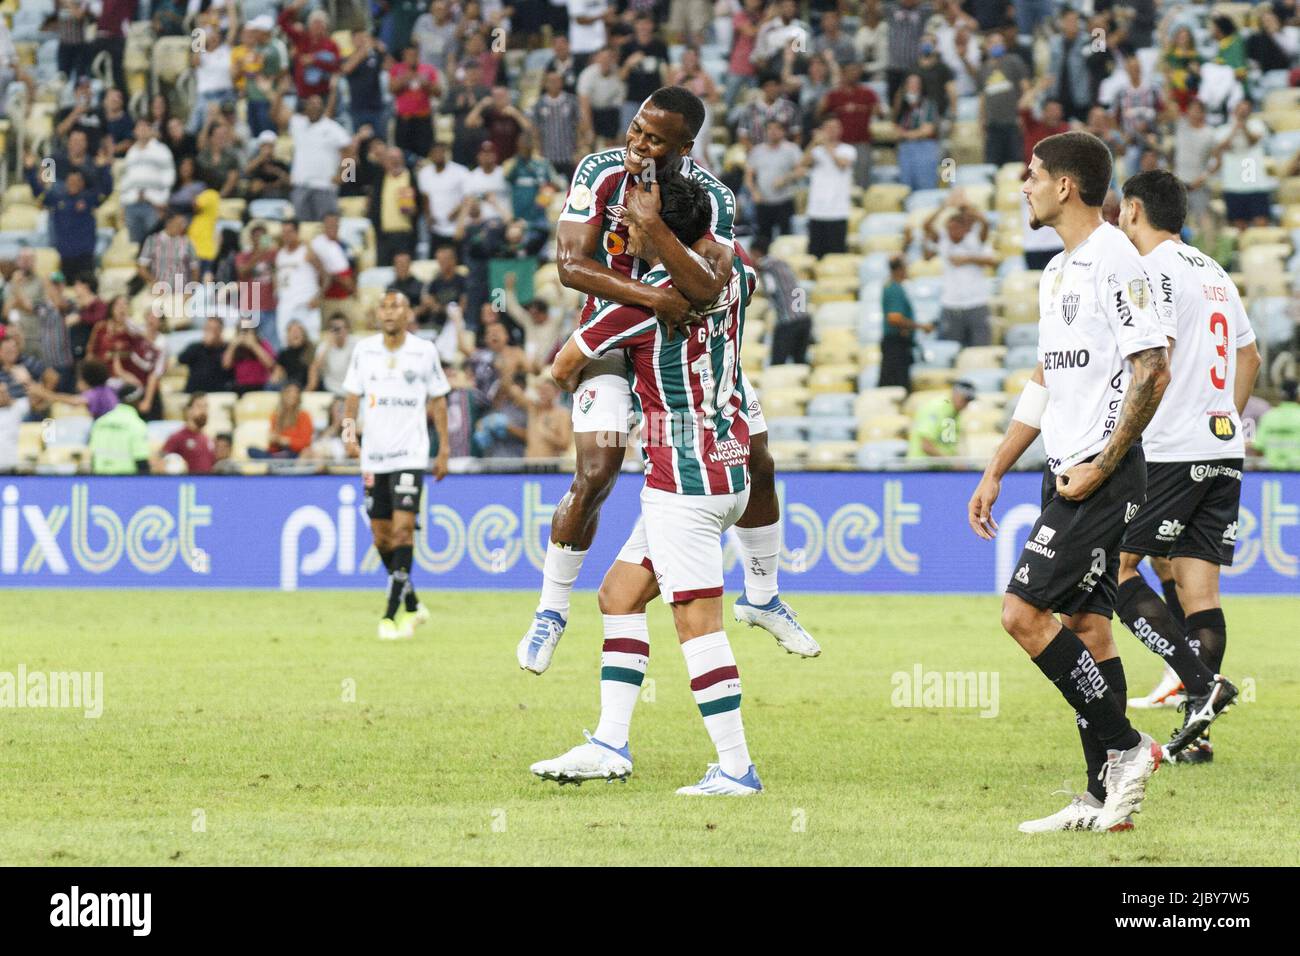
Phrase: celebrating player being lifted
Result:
[686,389]
[1103,367]
[401,378]
[593,257]
[1195,449]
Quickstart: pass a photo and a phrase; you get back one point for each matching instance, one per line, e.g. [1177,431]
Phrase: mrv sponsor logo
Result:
[130,910]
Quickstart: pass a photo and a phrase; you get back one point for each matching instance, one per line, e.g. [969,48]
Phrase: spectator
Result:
[550,424]
[896,342]
[318,147]
[1066,79]
[207,371]
[298,275]
[364,70]
[255,272]
[218,163]
[918,136]
[293,362]
[830,182]
[250,361]
[110,36]
[780,30]
[74,53]
[190,442]
[56,345]
[447,287]
[1137,108]
[462,95]
[18,371]
[557,117]
[256,66]
[771,106]
[490,240]
[563,62]
[533,184]
[744,26]
[1037,123]
[1278,434]
[855,106]
[336,274]
[291,428]
[147,179]
[24,292]
[601,92]
[168,259]
[872,39]
[415,86]
[906,26]
[486,183]
[644,64]
[113,340]
[12,413]
[202,230]
[82,116]
[435,35]
[399,21]
[936,426]
[223,447]
[406,283]
[541,331]
[771,173]
[119,127]
[1241,159]
[938,83]
[587,27]
[1231,48]
[1002,81]
[963,58]
[498,369]
[71,206]
[832,42]
[148,363]
[441,184]
[266,177]
[1194,144]
[213,74]
[119,439]
[791,325]
[316,58]
[394,207]
[1268,46]
[332,359]
[88,309]
[1181,66]
[182,143]
[502,121]
[810,89]
[328,446]
[963,247]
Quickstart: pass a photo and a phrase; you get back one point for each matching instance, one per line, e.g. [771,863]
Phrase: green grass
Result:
[231,704]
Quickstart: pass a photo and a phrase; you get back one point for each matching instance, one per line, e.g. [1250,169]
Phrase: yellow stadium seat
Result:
[1281,101]
[884,427]
[76,455]
[1015,381]
[1020,310]
[1264,236]
[833,378]
[788,452]
[65,410]
[1259,261]
[783,247]
[781,376]
[174,405]
[1291,217]
[232,208]
[252,434]
[1010,173]
[30,440]
[979,445]
[885,197]
[19,195]
[979,195]
[868,356]
[981,356]
[890,243]
[317,403]
[170,57]
[919,398]
[253,406]
[834,353]
[925,268]
[19,218]
[343,40]
[838,264]
[1288,191]
[1021,285]
[933,378]
[833,455]
[837,335]
[984,418]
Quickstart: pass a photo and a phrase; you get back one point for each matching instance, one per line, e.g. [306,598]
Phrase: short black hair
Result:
[94,372]
[1227,26]
[1163,197]
[680,100]
[1082,157]
[687,209]
[1289,390]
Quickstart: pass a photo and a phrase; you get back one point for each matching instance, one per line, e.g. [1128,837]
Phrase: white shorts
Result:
[603,403]
[679,538]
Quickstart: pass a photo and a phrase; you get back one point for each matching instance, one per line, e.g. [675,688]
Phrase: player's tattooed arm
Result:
[1150,379]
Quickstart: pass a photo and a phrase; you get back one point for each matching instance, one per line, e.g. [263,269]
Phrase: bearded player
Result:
[604,201]
[687,391]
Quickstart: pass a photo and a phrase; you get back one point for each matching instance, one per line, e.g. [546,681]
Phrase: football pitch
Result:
[269,728]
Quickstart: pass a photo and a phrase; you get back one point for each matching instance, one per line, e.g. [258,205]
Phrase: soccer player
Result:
[696,445]
[401,378]
[594,258]
[1103,367]
[1194,449]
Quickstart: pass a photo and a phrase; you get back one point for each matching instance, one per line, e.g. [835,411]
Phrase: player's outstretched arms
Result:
[1150,379]
[1022,431]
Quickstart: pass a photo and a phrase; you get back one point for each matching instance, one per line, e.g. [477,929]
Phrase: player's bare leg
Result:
[1066,660]
[606,755]
[573,527]
[758,534]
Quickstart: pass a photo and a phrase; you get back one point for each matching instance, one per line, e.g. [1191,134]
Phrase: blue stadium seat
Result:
[1273,80]
[871,326]
[968,109]
[874,454]
[882,224]
[869,377]
[536,60]
[274,209]
[940,353]
[787,429]
[161,431]
[378,277]
[874,270]
[885,174]
[830,405]
[1284,145]
[178,342]
[839,428]
[1272,321]
[1010,266]
[924,199]
[1022,356]
[1020,336]
[975,173]
[71,430]
[985,379]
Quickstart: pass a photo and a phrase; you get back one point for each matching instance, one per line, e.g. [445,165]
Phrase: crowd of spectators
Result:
[311,155]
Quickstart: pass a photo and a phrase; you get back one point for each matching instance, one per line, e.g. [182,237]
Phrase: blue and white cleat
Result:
[535,650]
[715,783]
[593,760]
[777,619]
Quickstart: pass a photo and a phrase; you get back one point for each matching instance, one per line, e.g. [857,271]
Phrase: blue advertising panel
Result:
[844,532]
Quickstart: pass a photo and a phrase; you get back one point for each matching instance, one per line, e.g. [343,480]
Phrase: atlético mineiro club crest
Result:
[1069,306]
[410,376]
[586,399]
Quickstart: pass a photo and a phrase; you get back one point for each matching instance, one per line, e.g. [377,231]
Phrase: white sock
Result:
[558,574]
[715,682]
[623,661]
[760,550]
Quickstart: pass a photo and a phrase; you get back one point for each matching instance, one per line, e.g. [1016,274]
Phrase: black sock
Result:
[399,577]
[408,595]
[1094,753]
[1067,664]
[1175,606]
[387,558]
[1211,630]
[1143,613]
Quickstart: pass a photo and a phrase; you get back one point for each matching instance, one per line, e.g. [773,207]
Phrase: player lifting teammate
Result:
[401,378]
[594,258]
[1194,449]
[1103,367]
[696,447]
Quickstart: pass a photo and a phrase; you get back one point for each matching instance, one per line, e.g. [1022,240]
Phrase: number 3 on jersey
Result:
[1219,329]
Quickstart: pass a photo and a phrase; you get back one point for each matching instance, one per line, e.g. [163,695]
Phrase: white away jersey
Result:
[1095,309]
[396,387]
[1197,420]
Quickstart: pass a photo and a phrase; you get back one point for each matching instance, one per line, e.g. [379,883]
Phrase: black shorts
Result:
[1070,564]
[393,491]
[1190,511]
